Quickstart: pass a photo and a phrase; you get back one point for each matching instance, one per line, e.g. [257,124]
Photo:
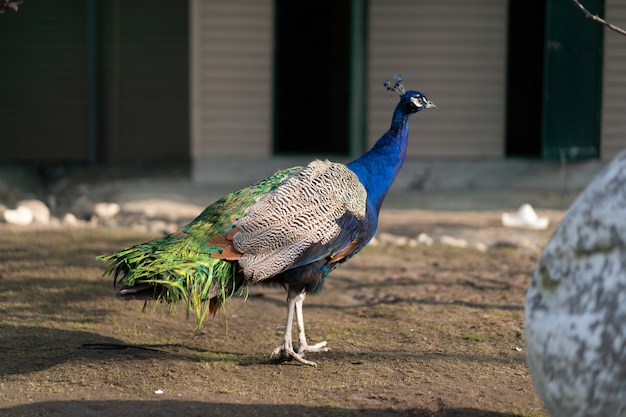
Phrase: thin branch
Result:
[10,5]
[598,19]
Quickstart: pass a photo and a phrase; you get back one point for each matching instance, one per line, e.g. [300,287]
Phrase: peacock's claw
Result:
[318,347]
[283,354]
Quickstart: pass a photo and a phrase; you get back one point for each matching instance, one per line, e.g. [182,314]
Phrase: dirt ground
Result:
[414,331]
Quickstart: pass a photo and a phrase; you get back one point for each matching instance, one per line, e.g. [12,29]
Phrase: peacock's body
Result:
[292,229]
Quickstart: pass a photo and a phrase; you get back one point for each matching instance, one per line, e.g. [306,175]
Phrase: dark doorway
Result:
[311,96]
[572,82]
[554,80]
[525,78]
[144,98]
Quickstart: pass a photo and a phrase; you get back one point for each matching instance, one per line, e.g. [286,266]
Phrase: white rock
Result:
[161,226]
[21,216]
[424,239]
[575,310]
[481,246]
[525,217]
[453,241]
[70,220]
[39,210]
[106,211]
[164,209]
[392,239]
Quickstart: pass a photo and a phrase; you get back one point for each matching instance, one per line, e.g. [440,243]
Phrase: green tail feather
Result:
[179,266]
[177,272]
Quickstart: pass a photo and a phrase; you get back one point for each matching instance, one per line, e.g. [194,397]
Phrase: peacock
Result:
[291,229]
[575,310]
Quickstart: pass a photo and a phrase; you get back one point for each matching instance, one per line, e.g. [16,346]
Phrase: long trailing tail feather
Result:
[173,270]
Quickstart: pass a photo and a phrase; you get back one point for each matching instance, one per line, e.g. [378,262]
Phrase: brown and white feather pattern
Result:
[301,212]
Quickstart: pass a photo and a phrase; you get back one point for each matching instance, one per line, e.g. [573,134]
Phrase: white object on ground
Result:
[39,210]
[106,211]
[453,241]
[525,217]
[424,239]
[21,216]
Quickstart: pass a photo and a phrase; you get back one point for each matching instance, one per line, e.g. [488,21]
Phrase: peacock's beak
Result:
[430,105]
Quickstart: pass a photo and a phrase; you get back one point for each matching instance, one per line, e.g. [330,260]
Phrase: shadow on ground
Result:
[196,408]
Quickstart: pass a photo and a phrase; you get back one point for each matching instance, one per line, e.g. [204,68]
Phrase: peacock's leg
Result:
[303,346]
[285,350]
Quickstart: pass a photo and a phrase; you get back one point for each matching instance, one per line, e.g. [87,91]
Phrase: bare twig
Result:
[598,19]
[9,5]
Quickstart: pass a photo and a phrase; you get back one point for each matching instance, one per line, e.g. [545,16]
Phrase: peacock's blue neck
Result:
[378,167]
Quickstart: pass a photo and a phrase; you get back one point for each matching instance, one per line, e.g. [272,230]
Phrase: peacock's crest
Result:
[396,87]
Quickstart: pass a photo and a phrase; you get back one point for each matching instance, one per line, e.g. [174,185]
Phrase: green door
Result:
[572,81]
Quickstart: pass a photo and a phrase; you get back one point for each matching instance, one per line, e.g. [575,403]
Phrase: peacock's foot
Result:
[318,347]
[283,354]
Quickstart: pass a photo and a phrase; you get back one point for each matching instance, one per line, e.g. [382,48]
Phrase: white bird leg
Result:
[285,350]
[303,346]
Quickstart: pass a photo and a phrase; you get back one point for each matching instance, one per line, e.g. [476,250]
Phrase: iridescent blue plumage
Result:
[378,168]
[291,229]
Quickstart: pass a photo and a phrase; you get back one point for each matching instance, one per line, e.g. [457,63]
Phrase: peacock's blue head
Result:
[410,101]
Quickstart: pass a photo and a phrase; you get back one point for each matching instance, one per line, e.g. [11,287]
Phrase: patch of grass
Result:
[475,337]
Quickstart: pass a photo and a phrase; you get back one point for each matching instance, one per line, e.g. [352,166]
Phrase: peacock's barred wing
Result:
[179,266]
[301,221]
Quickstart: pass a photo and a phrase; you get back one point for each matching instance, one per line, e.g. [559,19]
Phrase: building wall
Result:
[454,51]
[231,72]
[43,83]
[613,137]
[108,86]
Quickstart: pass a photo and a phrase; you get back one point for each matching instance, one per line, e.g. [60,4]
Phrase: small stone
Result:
[392,239]
[158,226]
[525,217]
[106,211]
[481,246]
[39,210]
[424,239]
[70,220]
[21,216]
[453,241]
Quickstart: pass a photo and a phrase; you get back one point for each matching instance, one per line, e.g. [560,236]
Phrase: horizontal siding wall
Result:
[454,51]
[614,88]
[231,77]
